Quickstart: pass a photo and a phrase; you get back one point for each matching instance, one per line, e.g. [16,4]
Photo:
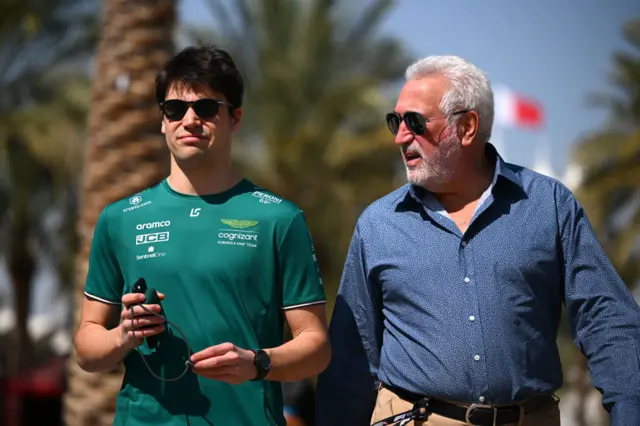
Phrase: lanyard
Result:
[418,412]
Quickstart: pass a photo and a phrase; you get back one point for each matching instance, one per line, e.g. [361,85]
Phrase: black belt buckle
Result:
[472,407]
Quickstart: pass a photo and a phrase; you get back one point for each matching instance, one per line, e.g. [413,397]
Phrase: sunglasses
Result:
[415,122]
[175,109]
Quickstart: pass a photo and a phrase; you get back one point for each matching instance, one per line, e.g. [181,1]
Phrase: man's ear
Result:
[236,118]
[468,127]
[163,128]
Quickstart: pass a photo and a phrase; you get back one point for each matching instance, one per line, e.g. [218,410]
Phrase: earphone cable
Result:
[188,363]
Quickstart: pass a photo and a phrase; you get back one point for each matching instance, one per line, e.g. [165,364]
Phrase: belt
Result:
[475,414]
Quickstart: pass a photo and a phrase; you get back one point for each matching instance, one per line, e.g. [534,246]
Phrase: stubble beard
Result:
[192,158]
[438,168]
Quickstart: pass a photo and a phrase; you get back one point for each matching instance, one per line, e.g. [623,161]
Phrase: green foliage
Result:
[43,46]
[53,129]
[313,126]
[610,191]
[46,46]
[42,37]
[625,80]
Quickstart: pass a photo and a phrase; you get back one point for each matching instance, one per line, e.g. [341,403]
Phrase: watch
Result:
[262,362]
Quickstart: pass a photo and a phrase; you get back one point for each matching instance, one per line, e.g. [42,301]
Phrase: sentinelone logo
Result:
[151,253]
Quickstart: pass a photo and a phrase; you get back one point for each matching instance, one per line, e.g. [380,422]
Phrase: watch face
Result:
[263,361]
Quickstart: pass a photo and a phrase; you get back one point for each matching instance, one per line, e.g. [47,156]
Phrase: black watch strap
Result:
[262,362]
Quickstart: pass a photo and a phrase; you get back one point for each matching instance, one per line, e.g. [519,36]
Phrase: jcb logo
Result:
[156,237]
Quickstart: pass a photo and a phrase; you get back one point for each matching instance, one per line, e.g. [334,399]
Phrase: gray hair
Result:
[469,88]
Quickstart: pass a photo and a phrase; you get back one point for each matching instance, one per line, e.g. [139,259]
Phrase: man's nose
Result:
[404,135]
[191,118]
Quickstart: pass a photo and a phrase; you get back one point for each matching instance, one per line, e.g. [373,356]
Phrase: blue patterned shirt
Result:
[474,317]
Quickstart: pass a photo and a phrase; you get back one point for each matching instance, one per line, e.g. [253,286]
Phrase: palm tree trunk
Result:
[21,270]
[22,169]
[125,153]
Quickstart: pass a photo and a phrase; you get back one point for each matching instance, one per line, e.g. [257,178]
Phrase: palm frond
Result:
[65,35]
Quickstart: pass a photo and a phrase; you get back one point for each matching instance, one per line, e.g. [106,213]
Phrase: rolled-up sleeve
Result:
[347,388]
[605,318]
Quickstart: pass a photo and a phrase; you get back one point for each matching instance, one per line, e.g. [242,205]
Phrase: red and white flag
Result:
[513,109]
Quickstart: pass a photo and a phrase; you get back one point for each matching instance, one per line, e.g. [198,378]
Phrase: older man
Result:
[452,291]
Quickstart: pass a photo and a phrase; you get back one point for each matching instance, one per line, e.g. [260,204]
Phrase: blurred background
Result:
[79,128]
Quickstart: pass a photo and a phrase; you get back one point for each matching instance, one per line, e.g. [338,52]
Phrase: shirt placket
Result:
[477,357]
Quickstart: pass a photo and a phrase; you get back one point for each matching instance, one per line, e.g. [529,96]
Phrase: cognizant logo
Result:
[231,236]
[153,225]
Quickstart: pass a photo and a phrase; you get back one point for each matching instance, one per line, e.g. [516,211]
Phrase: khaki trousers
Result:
[389,404]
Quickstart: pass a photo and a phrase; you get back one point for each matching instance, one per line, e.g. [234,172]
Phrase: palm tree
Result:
[610,189]
[124,154]
[41,41]
[625,79]
[611,158]
[313,129]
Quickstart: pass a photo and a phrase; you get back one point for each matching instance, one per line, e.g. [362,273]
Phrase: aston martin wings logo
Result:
[239,224]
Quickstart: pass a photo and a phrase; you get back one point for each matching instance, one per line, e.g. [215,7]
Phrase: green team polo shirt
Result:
[229,264]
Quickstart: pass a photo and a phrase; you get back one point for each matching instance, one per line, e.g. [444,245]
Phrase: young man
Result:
[453,287]
[231,262]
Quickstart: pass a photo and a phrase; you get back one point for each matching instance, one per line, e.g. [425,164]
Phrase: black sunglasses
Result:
[415,122]
[175,109]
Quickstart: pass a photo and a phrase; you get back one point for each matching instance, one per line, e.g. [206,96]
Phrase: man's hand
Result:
[225,362]
[144,325]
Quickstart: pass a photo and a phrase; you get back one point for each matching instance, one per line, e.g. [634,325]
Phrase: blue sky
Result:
[557,52]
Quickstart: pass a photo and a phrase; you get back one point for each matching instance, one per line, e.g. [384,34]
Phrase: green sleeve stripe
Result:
[100,299]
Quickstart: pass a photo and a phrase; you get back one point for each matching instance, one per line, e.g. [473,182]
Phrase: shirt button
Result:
[472,318]
[467,279]
[481,399]
[464,244]
[477,357]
